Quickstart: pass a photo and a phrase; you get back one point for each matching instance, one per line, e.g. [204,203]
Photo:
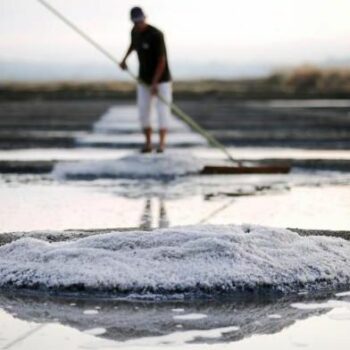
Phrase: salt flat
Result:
[134,248]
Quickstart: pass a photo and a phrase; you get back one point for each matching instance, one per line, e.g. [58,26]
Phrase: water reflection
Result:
[146,221]
[123,321]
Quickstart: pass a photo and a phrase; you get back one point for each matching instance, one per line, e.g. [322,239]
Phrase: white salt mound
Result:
[193,259]
[133,166]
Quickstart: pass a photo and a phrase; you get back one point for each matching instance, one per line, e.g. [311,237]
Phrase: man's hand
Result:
[154,89]
[123,65]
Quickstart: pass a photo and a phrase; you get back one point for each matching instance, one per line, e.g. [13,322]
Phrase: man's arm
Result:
[158,74]
[123,62]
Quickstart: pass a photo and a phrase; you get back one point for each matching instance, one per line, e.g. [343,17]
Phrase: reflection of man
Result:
[146,218]
[163,218]
[154,72]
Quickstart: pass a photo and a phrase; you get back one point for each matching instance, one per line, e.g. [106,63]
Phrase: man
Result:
[154,74]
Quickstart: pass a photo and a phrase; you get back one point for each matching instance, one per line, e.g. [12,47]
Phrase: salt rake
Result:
[236,167]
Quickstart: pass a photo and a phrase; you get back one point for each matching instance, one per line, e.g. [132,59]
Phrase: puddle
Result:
[54,206]
[240,324]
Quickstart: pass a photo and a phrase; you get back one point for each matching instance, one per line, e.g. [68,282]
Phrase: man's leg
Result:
[162,139]
[163,109]
[148,140]
[144,103]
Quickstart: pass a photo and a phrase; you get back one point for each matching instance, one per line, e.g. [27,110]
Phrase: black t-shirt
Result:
[150,46]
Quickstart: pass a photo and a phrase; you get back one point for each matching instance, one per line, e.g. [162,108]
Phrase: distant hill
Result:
[44,71]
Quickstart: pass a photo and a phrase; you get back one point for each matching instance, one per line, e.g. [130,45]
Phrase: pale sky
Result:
[231,32]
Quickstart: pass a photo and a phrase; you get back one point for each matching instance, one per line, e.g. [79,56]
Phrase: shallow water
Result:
[36,203]
[242,324]
[28,204]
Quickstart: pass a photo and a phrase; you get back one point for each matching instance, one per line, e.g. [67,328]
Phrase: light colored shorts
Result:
[145,103]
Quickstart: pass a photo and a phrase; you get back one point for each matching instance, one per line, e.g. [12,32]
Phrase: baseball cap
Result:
[137,14]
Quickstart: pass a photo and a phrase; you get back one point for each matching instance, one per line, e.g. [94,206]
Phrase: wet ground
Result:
[74,323]
[315,196]
[306,124]
[303,124]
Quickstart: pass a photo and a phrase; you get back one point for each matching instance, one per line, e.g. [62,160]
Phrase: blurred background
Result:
[220,54]
[226,39]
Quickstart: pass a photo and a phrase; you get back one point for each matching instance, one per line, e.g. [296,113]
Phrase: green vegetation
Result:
[302,82]
[312,81]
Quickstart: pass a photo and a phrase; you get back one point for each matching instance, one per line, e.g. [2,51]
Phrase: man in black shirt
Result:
[154,76]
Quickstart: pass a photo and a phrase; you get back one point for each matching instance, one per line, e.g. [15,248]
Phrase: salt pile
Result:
[193,259]
[133,166]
